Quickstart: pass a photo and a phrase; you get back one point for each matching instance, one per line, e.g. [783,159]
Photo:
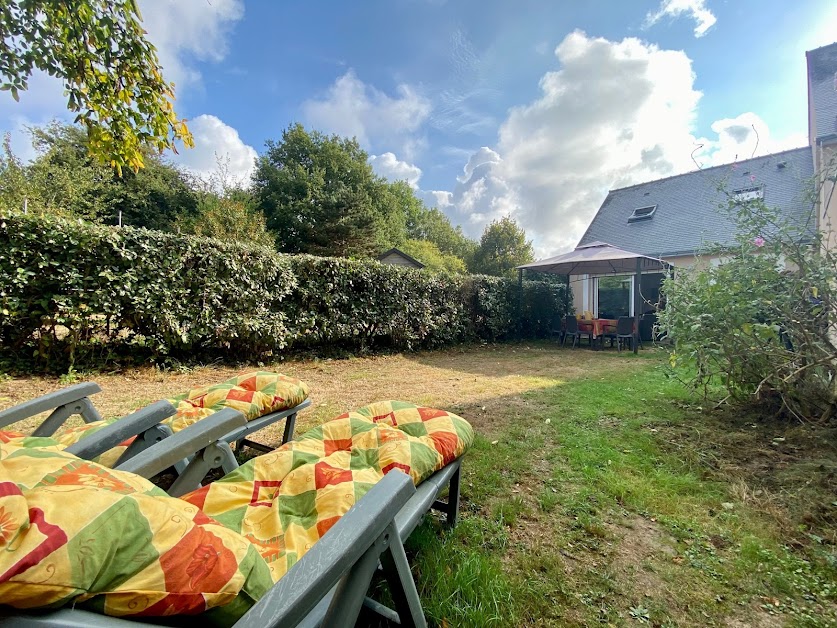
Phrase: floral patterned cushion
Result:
[284,501]
[74,532]
[253,394]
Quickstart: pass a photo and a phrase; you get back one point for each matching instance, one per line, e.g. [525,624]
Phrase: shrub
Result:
[73,293]
[761,323]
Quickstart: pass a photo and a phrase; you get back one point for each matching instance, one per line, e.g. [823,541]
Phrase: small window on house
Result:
[748,194]
[642,213]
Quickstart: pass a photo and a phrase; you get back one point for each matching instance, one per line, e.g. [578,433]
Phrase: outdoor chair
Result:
[316,572]
[572,331]
[625,332]
[245,392]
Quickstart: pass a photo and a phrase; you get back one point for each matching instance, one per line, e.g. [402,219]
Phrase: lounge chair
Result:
[252,393]
[308,594]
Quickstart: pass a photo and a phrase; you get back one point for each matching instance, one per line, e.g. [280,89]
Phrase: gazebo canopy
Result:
[597,258]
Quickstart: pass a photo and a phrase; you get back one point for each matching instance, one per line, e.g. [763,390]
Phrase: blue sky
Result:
[530,108]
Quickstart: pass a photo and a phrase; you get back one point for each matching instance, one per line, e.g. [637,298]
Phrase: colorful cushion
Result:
[134,551]
[253,394]
[69,437]
[284,501]
[130,551]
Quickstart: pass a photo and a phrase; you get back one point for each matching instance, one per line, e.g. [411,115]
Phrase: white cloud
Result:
[354,109]
[695,9]
[743,137]
[614,114]
[187,30]
[389,166]
[214,142]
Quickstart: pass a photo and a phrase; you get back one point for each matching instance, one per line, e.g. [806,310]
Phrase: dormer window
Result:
[642,213]
[748,194]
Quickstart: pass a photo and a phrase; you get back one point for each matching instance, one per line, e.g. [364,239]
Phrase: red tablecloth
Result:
[599,326]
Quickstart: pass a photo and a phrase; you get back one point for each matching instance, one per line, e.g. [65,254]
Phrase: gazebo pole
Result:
[637,302]
[520,272]
[567,297]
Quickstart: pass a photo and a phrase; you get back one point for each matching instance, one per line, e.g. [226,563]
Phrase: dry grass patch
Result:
[467,381]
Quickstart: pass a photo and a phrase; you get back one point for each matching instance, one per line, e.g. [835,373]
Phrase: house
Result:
[676,217]
[822,132]
[396,257]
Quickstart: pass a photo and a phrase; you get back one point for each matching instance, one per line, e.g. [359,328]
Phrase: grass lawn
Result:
[599,491]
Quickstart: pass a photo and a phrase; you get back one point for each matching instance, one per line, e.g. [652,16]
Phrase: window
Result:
[642,213]
[748,194]
[613,296]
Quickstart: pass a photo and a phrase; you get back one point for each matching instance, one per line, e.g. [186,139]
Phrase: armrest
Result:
[320,569]
[184,443]
[131,425]
[50,401]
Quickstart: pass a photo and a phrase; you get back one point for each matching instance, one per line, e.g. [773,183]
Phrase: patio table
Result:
[599,326]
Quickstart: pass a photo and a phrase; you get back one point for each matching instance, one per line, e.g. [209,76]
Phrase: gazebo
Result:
[599,258]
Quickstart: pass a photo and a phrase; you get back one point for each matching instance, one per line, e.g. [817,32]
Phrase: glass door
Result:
[613,296]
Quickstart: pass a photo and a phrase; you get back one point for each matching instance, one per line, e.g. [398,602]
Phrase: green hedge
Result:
[73,293]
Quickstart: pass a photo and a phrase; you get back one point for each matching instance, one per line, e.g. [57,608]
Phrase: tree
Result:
[762,323]
[433,259]
[503,246]
[225,211]
[110,72]
[320,196]
[64,178]
[432,225]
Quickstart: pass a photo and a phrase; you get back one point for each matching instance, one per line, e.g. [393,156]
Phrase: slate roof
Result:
[822,78]
[689,215]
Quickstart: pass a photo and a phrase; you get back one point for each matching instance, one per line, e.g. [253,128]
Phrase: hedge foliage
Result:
[77,294]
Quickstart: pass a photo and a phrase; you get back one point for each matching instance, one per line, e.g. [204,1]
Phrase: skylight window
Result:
[642,213]
[748,194]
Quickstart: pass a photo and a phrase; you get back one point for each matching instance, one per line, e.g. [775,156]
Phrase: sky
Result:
[532,109]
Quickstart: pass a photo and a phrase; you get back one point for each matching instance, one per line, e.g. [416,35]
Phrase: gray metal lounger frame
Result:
[76,400]
[328,586]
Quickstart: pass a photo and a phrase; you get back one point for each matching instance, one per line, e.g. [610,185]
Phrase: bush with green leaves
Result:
[762,321]
[72,292]
[79,294]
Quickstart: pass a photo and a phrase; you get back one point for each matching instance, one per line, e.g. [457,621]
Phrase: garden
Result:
[599,489]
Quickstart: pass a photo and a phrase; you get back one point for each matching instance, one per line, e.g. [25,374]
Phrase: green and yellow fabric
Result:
[76,532]
[254,394]
[73,532]
[284,501]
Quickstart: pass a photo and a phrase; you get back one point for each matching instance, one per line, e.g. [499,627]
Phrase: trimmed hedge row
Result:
[74,293]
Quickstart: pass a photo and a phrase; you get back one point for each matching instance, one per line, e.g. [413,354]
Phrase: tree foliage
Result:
[225,211]
[433,259]
[432,225]
[763,322]
[64,178]
[318,194]
[110,72]
[503,246]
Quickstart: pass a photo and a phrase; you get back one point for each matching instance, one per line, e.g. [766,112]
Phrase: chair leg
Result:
[218,454]
[451,508]
[290,423]
[402,587]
